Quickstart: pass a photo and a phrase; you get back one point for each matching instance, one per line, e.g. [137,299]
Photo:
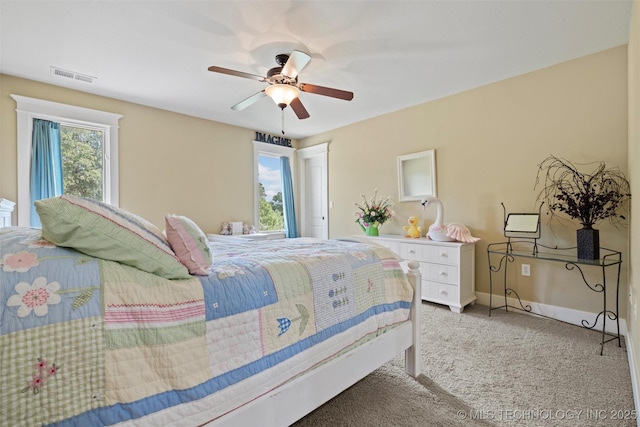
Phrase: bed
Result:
[266,333]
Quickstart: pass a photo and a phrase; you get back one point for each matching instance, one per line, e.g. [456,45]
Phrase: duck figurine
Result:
[440,232]
[413,230]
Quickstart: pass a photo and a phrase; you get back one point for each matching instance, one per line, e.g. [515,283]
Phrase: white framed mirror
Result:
[417,176]
[522,223]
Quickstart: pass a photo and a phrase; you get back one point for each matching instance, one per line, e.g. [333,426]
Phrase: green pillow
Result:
[104,231]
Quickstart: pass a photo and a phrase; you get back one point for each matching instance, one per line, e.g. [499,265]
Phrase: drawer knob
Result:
[443,273]
[443,254]
[411,251]
[443,292]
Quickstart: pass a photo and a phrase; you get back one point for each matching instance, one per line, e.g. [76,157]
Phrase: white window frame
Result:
[32,108]
[269,150]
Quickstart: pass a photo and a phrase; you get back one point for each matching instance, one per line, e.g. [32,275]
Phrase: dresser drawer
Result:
[440,293]
[430,253]
[411,252]
[439,273]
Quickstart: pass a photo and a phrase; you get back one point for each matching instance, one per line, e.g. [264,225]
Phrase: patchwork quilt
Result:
[86,341]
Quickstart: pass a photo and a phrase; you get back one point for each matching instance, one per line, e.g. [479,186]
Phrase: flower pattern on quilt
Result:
[38,243]
[359,255]
[35,297]
[284,323]
[42,373]
[337,291]
[19,262]
[340,302]
[227,271]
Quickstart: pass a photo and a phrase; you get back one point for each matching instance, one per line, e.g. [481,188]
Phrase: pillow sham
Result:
[104,231]
[189,243]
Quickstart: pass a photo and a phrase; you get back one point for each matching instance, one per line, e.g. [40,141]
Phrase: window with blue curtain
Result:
[290,225]
[46,164]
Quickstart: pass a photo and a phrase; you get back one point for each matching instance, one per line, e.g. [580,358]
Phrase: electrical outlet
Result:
[526,270]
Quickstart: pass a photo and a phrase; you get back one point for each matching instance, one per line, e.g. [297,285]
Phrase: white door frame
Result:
[320,151]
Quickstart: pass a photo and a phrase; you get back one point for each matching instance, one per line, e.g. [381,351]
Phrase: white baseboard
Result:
[564,314]
[635,375]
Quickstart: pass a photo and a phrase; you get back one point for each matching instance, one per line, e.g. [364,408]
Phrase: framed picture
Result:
[417,176]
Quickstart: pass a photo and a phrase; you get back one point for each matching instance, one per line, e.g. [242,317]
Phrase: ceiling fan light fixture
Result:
[282,94]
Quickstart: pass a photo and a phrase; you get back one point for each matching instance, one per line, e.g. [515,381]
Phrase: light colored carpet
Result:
[507,369]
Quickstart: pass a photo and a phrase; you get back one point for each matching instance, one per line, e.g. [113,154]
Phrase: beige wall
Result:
[488,143]
[169,163]
[633,320]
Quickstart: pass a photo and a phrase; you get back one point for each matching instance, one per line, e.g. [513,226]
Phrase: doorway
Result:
[313,179]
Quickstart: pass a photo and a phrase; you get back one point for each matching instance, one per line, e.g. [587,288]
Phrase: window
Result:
[82,160]
[91,136]
[269,216]
[270,194]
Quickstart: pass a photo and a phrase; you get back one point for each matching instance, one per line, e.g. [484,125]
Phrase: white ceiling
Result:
[391,54]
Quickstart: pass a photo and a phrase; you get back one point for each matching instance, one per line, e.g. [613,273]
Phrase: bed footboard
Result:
[337,375]
[412,354]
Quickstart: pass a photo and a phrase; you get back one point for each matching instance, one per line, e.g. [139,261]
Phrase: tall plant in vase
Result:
[372,213]
[586,197]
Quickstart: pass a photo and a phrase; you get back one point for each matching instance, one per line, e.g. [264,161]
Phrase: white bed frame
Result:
[308,392]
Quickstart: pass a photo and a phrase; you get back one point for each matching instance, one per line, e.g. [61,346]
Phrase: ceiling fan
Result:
[283,87]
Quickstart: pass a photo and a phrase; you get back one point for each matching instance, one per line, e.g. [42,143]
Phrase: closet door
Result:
[314,219]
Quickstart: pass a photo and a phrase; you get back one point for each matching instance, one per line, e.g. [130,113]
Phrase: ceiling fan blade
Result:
[250,100]
[326,91]
[299,109]
[296,62]
[235,73]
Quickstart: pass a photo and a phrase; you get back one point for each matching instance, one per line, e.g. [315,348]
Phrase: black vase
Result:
[588,243]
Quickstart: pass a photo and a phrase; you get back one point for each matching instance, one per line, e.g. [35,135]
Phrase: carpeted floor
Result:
[507,369]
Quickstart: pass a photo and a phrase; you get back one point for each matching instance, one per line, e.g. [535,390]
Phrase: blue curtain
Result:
[290,227]
[46,164]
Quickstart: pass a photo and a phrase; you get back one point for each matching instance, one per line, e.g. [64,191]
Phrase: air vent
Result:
[72,75]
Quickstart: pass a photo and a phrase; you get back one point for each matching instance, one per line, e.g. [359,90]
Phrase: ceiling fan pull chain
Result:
[282,121]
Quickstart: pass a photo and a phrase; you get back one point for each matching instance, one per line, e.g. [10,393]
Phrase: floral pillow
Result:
[104,231]
[189,243]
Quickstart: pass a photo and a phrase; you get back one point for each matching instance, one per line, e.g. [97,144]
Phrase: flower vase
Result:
[371,230]
[588,240]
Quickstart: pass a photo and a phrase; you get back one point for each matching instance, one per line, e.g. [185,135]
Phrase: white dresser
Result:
[6,208]
[447,268]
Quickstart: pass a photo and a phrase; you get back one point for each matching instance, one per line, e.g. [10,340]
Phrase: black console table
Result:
[504,253]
